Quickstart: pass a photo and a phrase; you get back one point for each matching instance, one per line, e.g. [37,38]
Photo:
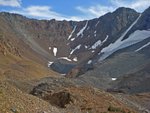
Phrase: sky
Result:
[76,10]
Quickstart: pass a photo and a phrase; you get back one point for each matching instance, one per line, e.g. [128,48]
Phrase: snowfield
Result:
[134,38]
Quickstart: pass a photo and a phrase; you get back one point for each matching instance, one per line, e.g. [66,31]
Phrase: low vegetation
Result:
[117,109]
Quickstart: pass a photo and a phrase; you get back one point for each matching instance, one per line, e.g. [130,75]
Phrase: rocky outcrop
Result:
[63,93]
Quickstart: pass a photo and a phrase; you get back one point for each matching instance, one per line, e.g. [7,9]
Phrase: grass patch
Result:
[115,109]
[1,92]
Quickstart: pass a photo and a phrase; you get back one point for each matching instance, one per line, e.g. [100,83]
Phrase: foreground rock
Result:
[63,94]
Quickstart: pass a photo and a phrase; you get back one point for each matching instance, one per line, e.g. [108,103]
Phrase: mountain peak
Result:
[124,9]
[148,9]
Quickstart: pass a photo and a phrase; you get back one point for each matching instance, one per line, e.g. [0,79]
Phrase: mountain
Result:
[95,48]
[110,53]
[126,55]
[74,42]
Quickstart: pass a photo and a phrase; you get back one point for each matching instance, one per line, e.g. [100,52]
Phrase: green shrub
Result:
[115,109]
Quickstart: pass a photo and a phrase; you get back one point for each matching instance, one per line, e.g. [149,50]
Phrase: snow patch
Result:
[97,23]
[72,39]
[95,33]
[96,44]
[49,48]
[55,51]
[72,32]
[86,46]
[63,74]
[65,58]
[143,47]
[113,79]
[93,51]
[129,28]
[75,59]
[49,64]
[105,39]
[82,30]
[89,62]
[99,43]
[78,47]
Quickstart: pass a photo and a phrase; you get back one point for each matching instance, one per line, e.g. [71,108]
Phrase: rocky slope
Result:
[135,82]
[63,93]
